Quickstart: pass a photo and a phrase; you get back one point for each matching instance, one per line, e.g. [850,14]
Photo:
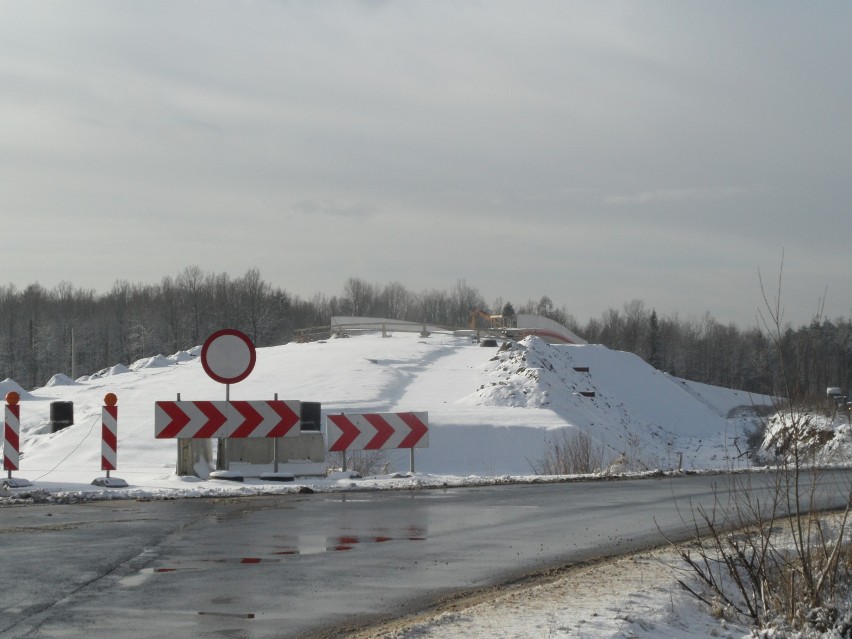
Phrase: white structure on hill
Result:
[346,325]
[543,327]
[547,329]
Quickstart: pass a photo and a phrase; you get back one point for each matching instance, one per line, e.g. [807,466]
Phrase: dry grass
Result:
[570,453]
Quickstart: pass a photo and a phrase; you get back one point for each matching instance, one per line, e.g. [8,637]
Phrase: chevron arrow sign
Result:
[240,419]
[374,431]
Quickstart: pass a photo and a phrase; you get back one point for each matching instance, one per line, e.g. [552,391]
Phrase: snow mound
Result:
[727,402]
[157,361]
[60,380]
[8,385]
[183,356]
[827,439]
[118,369]
[616,397]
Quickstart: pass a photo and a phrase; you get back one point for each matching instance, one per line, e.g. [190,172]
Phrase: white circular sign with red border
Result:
[228,356]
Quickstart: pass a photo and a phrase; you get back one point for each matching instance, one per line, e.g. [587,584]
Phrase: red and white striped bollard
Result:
[12,442]
[11,433]
[109,433]
[109,443]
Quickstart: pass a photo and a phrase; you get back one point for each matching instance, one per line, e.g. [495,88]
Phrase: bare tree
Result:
[254,294]
[737,552]
[192,282]
[397,302]
[360,296]
[463,300]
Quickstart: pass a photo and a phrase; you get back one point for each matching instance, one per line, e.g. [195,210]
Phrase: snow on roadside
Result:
[635,596]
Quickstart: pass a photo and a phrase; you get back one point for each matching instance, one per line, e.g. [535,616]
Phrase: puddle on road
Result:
[348,542]
[232,615]
[301,545]
[136,579]
[348,498]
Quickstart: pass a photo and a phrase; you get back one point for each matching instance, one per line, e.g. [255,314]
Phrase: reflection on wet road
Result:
[289,566]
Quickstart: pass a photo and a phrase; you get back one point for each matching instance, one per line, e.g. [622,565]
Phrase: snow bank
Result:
[827,439]
[492,412]
[157,361]
[60,380]
[183,356]
[618,399]
[8,385]
[118,369]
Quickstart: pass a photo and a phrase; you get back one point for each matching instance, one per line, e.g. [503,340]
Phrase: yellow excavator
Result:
[495,324]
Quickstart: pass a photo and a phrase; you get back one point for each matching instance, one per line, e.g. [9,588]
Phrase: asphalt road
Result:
[292,566]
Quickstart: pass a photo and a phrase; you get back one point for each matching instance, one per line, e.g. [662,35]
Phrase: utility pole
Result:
[73,356]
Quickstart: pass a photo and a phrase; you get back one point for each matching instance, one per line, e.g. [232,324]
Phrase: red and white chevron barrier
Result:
[109,433]
[375,431]
[228,419]
[11,433]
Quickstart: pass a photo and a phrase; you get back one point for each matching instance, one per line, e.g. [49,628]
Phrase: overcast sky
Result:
[595,152]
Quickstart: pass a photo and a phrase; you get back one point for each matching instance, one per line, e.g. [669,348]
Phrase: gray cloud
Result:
[677,195]
[332,209]
[605,151]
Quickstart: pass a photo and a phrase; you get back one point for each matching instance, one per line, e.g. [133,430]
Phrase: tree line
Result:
[133,321]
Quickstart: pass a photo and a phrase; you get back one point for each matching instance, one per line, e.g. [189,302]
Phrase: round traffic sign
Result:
[228,356]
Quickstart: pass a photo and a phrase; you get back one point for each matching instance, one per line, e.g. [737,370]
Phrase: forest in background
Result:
[133,321]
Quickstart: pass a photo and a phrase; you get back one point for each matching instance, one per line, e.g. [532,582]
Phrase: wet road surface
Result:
[290,566]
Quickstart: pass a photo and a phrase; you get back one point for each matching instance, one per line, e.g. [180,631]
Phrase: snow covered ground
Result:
[492,413]
[635,597]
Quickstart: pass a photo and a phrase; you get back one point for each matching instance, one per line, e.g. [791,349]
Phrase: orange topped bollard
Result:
[12,440]
[109,443]
[109,433]
[11,433]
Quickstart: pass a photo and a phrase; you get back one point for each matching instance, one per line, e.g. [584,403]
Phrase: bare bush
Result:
[363,462]
[776,560]
[762,565]
[570,453]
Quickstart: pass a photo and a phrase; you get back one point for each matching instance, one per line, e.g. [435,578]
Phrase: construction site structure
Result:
[479,319]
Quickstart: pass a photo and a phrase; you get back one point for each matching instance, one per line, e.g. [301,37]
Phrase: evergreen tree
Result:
[655,358]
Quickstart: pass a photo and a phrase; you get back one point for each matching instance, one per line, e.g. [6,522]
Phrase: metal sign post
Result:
[275,449]
[222,462]
[228,356]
